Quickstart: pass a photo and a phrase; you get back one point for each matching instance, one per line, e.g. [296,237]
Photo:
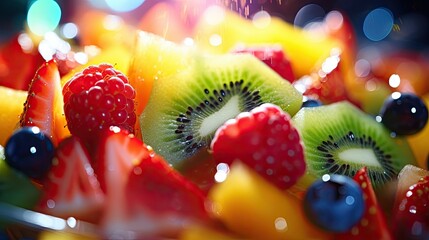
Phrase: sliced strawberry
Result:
[326,84]
[265,140]
[158,194]
[373,223]
[411,219]
[44,105]
[118,152]
[143,193]
[72,189]
[274,57]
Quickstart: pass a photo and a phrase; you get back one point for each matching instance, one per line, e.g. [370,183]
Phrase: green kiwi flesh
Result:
[341,139]
[185,110]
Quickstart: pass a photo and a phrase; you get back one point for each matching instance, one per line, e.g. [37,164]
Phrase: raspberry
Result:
[265,140]
[97,98]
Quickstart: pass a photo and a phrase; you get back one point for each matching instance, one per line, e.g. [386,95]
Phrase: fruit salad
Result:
[222,127]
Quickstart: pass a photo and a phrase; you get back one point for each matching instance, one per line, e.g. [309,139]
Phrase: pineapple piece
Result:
[254,208]
[11,105]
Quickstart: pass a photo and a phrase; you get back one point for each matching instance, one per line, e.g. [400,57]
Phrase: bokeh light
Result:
[261,19]
[308,14]
[378,24]
[69,30]
[124,5]
[43,16]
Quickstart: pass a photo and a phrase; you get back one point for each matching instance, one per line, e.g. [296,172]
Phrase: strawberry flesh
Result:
[143,193]
[43,107]
[326,84]
[72,189]
[266,141]
[272,56]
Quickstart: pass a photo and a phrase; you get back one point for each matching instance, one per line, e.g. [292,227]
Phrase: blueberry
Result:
[404,113]
[334,203]
[310,102]
[30,151]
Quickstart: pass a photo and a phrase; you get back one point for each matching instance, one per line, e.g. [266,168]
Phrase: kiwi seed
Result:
[185,110]
[340,139]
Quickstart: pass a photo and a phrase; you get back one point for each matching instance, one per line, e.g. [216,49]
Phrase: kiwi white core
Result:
[214,121]
[360,156]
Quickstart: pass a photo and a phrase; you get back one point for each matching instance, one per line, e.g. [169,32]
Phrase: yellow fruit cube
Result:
[254,208]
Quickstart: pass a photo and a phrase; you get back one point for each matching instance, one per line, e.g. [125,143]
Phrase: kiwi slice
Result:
[340,139]
[185,110]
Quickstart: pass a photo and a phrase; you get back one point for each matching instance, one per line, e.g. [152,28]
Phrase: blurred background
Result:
[402,23]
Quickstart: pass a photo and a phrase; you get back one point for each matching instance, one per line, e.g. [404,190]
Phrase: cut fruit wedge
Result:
[255,209]
[11,102]
[418,142]
[220,30]
[155,58]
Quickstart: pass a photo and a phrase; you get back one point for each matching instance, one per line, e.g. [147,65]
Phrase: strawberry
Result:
[411,220]
[266,141]
[143,193]
[373,223]
[117,153]
[327,84]
[19,59]
[159,194]
[72,189]
[97,98]
[44,105]
[274,57]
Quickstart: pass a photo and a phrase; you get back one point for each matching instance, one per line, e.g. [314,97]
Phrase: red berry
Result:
[411,216]
[265,140]
[373,224]
[272,56]
[97,98]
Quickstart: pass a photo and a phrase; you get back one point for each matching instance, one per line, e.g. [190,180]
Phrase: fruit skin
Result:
[273,56]
[334,203]
[265,140]
[345,116]
[44,104]
[209,74]
[252,207]
[404,113]
[373,223]
[97,98]
[412,212]
[11,102]
[15,187]
[30,151]
[310,102]
[72,189]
